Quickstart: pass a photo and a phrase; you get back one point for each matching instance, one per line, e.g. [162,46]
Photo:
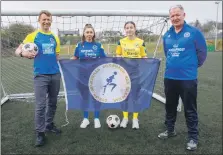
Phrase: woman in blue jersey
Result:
[88,49]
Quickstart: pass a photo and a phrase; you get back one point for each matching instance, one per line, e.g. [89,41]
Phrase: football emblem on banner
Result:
[109,83]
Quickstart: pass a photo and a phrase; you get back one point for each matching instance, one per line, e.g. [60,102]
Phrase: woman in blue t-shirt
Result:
[88,49]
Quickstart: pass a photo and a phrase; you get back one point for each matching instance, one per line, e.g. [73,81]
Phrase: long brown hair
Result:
[131,22]
[83,37]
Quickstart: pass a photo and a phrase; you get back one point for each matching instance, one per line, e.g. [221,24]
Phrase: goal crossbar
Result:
[86,13]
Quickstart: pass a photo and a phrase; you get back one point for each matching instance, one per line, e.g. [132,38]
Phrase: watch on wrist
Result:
[21,54]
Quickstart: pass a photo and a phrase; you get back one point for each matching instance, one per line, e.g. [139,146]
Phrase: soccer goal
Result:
[16,72]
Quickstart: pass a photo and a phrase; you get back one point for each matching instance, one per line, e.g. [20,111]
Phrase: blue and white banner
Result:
[109,83]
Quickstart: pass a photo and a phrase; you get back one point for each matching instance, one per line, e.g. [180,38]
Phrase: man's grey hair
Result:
[176,6]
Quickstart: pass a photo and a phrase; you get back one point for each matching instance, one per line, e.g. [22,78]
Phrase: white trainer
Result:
[135,124]
[84,123]
[124,123]
[97,123]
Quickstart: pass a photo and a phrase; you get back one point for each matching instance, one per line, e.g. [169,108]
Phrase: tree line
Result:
[14,34]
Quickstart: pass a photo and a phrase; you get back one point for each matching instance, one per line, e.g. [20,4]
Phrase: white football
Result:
[30,47]
[113,121]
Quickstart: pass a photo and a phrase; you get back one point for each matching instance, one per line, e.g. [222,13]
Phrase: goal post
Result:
[17,73]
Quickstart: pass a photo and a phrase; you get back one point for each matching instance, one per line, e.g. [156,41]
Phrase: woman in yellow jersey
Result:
[130,47]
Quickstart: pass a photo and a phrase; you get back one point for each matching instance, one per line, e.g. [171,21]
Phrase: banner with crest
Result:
[109,83]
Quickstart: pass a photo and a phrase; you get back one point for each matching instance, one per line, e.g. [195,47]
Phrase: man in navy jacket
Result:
[185,50]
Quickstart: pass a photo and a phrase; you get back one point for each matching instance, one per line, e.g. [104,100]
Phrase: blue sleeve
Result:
[201,48]
[76,51]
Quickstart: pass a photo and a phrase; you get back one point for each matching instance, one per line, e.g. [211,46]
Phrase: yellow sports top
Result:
[131,48]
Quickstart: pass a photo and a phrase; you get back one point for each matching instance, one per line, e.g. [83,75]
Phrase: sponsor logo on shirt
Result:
[175,45]
[48,48]
[175,51]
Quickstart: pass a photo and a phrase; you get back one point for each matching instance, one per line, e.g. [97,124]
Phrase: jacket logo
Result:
[186,34]
[52,40]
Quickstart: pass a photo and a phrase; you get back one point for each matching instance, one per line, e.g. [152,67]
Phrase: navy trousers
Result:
[187,90]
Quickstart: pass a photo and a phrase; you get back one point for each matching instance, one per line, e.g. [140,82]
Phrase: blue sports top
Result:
[48,44]
[88,50]
[185,52]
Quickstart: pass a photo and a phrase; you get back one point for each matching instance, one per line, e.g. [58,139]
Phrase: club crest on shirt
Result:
[52,40]
[136,45]
[186,34]
[95,47]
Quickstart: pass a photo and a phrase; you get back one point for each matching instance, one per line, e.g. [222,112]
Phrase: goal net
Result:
[17,73]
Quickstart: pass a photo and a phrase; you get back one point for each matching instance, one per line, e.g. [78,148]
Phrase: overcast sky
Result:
[202,10]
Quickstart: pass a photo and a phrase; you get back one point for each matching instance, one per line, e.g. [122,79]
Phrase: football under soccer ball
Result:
[113,121]
[30,47]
